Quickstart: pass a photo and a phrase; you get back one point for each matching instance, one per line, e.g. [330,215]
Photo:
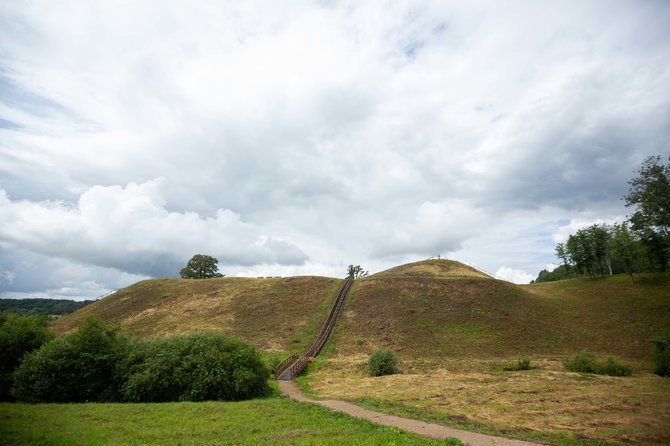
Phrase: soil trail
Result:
[290,389]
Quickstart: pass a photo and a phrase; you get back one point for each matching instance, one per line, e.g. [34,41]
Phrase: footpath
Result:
[291,389]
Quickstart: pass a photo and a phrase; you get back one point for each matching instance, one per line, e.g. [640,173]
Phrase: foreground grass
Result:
[546,404]
[272,421]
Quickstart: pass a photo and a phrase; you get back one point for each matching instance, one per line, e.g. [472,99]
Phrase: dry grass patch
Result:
[278,314]
[545,403]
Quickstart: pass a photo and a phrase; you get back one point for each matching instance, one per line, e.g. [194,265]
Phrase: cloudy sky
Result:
[299,137]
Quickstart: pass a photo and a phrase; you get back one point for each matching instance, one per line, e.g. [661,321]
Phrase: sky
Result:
[298,137]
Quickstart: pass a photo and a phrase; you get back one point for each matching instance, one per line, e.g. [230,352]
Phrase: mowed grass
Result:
[275,314]
[271,421]
[454,335]
[545,403]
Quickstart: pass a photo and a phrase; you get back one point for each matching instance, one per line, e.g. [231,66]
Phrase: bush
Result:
[18,336]
[662,355]
[83,366]
[523,363]
[583,362]
[586,362]
[382,362]
[613,368]
[198,367]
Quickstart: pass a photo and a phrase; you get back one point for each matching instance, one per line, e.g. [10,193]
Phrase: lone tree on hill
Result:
[201,267]
[356,272]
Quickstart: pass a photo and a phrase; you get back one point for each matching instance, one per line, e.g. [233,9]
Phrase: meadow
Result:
[268,421]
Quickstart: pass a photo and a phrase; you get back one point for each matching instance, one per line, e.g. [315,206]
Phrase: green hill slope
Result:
[278,314]
[439,309]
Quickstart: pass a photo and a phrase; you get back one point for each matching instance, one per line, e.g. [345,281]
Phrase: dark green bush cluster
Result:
[97,363]
[586,362]
[199,367]
[662,355]
[382,362]
[18,336]
[83,366]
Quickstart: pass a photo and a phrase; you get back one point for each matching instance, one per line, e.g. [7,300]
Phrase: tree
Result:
[626,248]
[201,267]
[562,253]
[650,193]
[18,336]
[559,273]
[579,247]
[599,237]
[356,272]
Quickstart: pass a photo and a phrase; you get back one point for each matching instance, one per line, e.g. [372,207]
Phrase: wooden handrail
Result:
[298,365]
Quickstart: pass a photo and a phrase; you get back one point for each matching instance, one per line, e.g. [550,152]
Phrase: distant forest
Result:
[41,306]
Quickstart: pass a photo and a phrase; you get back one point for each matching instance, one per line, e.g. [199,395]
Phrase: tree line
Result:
[639,244]
[41,306]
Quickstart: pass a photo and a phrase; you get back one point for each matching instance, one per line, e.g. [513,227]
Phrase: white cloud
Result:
[562,233]
[131,230]
[306,136]
[514,275]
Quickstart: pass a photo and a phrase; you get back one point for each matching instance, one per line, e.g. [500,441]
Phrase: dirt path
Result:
[290,389]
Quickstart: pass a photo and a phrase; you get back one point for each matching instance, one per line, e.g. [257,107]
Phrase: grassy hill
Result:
[439,309]
[434,309]
[278,314]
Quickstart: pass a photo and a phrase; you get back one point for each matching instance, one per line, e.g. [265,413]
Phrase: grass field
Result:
[271,421]
[278,314]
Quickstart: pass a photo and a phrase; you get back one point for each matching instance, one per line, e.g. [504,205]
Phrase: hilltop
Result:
[444,269]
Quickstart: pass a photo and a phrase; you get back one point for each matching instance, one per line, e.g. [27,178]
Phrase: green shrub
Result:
[586,363]
[613,368]
[583,362]
[18,336]
[83,366]
[662,355]
[198,367]
[523,363]
[382,362]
